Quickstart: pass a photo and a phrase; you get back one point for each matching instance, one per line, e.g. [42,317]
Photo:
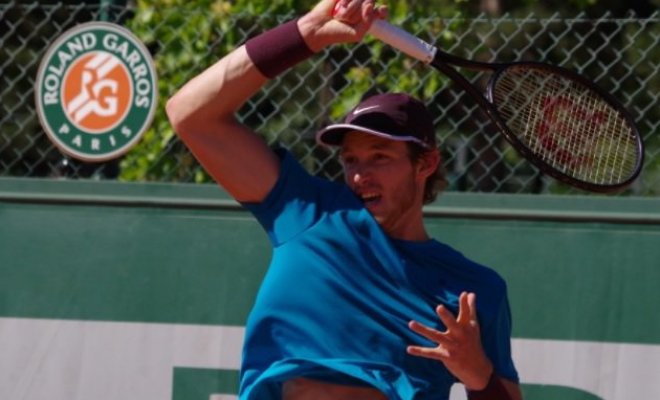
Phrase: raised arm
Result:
[203,111]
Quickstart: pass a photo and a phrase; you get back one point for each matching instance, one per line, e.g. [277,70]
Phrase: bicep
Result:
[237,158]
[203,115]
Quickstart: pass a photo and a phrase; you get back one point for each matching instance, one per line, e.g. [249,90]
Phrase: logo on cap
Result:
[399,116]
[364,109]
[96,91]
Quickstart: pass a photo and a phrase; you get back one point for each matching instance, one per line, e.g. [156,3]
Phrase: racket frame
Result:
[430,54]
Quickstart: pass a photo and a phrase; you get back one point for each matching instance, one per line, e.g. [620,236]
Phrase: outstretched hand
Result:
[339,21]
[459,347]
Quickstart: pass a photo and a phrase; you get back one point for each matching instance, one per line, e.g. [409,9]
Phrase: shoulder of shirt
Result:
[290,164]
[484,272]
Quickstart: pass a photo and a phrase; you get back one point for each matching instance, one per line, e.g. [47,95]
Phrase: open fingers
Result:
[423,330]
[467,316]
[464,308]
[446,317]
[467,313]
[439,351]
[455,326]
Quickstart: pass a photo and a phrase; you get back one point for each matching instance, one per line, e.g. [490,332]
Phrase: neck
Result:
[410,228]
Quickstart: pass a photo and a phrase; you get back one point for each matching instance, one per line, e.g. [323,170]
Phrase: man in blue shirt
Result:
[358,302]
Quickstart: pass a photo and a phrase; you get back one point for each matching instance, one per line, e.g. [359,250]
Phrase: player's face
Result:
[382,175]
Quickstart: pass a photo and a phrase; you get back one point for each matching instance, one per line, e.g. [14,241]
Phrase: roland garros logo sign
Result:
[96,91]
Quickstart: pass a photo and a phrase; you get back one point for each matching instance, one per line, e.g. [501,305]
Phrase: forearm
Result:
[203,112]
[497,388]
[203,115]
[222,89]
[217,93]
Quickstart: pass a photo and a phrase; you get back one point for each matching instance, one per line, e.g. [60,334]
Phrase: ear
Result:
[428,163]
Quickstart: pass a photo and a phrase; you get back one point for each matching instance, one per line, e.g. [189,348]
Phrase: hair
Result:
[436,182]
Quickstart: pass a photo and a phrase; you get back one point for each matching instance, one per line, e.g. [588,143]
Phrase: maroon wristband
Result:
[494,390]
[278,49]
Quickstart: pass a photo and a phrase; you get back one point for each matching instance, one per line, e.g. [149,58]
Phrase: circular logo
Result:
[96,91]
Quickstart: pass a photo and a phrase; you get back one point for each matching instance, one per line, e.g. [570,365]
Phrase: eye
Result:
[348,160]
[381,156]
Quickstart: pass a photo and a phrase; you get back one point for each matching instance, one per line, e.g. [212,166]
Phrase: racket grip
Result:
[403,41]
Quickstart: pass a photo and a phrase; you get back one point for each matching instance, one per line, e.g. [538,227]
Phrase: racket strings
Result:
[566,124]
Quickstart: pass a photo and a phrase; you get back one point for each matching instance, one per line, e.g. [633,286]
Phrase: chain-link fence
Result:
[620,54]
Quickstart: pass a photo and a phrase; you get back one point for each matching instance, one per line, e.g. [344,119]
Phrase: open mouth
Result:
[370,198]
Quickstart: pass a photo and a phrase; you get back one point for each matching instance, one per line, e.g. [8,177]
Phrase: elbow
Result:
[189,118]
[176,113]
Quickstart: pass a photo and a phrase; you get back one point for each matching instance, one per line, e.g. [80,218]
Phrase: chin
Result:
[379,218]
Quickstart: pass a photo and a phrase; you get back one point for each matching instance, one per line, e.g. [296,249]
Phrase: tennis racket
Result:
[560,121]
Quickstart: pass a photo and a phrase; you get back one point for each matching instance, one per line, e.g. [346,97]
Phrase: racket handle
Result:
[403,41]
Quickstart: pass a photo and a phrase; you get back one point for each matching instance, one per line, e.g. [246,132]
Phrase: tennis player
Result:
[359,303]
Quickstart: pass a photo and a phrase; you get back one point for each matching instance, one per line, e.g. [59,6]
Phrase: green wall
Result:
[578,268]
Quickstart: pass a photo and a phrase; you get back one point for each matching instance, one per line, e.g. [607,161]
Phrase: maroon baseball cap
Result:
[395,116]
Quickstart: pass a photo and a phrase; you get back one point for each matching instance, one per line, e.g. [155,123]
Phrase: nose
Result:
[359,173]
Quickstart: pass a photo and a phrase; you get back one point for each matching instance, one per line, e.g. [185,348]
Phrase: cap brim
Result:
[332,135]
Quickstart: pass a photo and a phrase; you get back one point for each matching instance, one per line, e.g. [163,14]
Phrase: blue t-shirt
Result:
[338,295]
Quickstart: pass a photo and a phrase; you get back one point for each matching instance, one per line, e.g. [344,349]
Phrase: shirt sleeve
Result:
[497,342]
[291,207]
